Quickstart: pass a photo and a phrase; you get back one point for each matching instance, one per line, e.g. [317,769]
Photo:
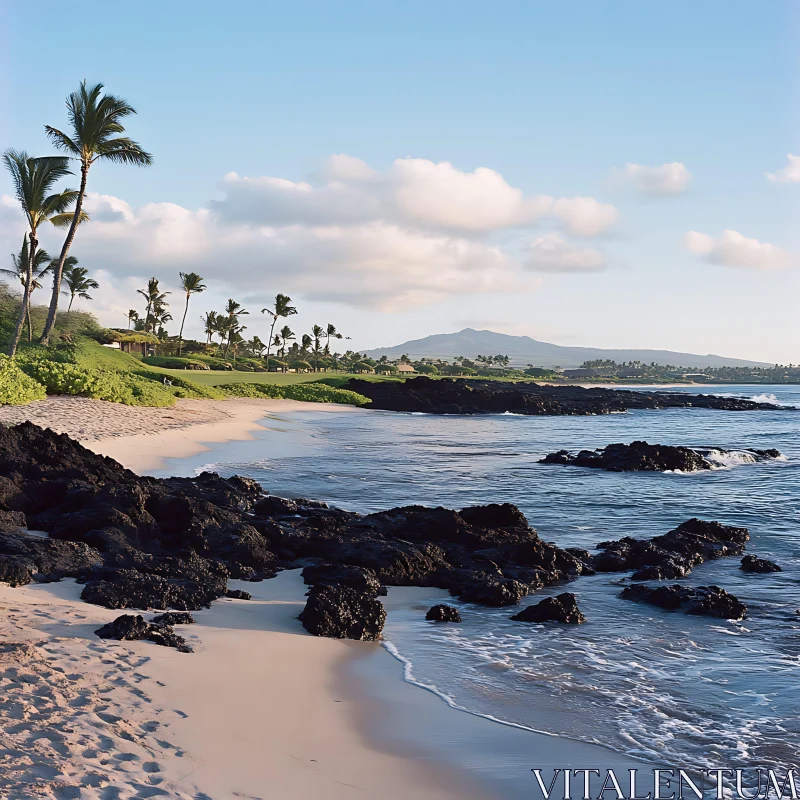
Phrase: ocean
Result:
[667,687]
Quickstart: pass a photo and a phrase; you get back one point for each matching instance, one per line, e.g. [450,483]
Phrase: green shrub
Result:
[174,362]
[307,392]
[17,388]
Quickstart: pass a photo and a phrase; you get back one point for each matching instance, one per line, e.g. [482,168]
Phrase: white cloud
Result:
[553,253]
[439,195]
[789,174]
[665,179]
[734,250]
[412,234]
[585,216]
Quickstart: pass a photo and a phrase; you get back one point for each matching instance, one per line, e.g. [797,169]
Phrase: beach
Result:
[141,438]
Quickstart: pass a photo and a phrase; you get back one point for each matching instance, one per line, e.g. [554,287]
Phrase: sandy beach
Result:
[261,709]
[141,438]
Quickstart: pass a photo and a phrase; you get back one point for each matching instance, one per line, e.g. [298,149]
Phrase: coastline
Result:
[260,708]
[142,438]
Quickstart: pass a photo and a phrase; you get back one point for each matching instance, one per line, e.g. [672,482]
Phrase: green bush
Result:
[17,388]
[174,362]
[307,392]
[116,387]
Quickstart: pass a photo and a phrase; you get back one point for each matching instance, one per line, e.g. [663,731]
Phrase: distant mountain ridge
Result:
[522,350]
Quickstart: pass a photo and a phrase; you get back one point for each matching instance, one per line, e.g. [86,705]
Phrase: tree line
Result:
[95,133]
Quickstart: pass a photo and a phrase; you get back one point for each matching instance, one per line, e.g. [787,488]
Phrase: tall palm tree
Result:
[286,335]
[191,283]
[96,122]
[22,262]
[281,308]
[34,179]
[78,281]
[317,332]
[132,316]
[234,310]
[209,320]
[154,297]
[331,333]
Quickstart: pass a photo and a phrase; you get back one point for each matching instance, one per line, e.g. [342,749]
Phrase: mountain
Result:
[522,350]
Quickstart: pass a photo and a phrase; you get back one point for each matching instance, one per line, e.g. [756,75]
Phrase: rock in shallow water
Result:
[561,608]
[340,612]
[132,627]
[443,613]
[709,601]
[641,456]
[674,554]
[756,564]
[238,594]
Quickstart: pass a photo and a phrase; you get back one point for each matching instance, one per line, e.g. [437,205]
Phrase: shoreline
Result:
[260,709]
[142,438]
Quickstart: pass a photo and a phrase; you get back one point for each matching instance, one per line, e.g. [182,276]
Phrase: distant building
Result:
[406,369]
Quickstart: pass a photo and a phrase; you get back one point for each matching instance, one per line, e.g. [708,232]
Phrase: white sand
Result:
[142,438]
[259,710]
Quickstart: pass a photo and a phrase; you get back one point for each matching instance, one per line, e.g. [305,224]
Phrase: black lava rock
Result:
[674,554]
[359,578]
[459,396]
[340,612]
[238,594]
[634,457]
[755,564]
[174,618]
[131,627]
[443,613]
[710,601]
[561,608]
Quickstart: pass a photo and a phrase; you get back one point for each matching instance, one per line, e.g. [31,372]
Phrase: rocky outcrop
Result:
[174,618]
[131,627]
[25,558]
[340,612]
[709,601]
[359,578]
[443,613]
[643,457]
[561,608]
[672,555]
[460,396]
[756,564]
[238,594]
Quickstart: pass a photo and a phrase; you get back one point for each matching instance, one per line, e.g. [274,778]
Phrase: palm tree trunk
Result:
[26,296]
[30,323]
[183,322]
[71,298]
[269,343]
[59,268]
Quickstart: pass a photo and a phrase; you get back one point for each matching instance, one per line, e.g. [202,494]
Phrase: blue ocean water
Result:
[688,691]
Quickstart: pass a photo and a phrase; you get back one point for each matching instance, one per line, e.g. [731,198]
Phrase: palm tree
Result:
[285,336]
[96,122]
[282,308]
[306,343]
[317,332]
[331,333]
[34,179]
[209,320]
[78,281]
[191,283]
[234,310]
[21,264]
[132,315]
[155,297]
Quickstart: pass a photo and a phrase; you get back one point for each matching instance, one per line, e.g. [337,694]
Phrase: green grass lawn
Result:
[217,377]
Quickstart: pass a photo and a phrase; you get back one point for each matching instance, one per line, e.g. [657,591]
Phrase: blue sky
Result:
[555,97]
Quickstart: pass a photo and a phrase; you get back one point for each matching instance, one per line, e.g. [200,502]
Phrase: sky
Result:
[607,174]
